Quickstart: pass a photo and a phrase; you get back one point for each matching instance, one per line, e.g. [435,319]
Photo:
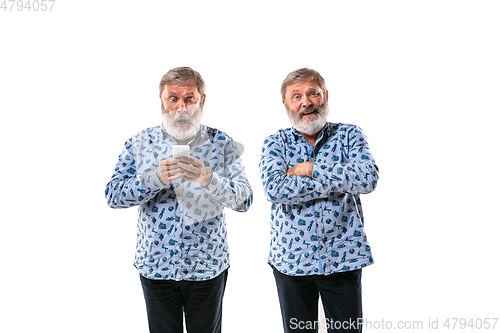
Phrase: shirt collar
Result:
[325,132]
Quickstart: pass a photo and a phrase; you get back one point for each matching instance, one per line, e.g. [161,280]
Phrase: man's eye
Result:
[296,97]
[173,99]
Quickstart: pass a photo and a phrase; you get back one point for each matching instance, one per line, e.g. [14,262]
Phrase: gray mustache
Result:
[182,116]
[308,109]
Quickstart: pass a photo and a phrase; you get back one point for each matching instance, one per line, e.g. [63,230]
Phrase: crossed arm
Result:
[315,180]
[304,169]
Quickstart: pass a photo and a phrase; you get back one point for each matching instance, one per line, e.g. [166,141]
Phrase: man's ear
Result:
[203,100]
[326,95]
[284,103]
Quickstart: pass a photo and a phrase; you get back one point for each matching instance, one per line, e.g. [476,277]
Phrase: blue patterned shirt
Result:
[317,223]
[181,229]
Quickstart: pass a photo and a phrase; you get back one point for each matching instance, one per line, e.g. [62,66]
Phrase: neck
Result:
[310,138]
[182,142]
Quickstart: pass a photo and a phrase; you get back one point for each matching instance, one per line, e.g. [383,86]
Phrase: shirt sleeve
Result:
[126,188]
[358,176]
[280,187]
[230,186]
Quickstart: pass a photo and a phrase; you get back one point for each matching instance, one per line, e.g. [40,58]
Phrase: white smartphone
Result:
[180,151]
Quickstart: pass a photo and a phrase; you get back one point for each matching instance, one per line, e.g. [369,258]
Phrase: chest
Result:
[331,151]
[149,153]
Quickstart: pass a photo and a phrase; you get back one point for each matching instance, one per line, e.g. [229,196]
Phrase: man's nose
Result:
[182,107]
[305,101]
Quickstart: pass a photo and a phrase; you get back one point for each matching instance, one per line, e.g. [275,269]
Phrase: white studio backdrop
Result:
[421,78]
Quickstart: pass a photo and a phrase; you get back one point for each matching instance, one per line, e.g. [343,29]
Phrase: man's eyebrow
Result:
[171,93]
[189,94]
[316,90]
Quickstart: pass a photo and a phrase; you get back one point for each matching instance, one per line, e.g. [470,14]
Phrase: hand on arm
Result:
[287,186]
[304,169]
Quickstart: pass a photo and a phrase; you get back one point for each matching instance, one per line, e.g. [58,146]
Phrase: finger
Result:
[191,160]
[170,170]
[190,176]
[167,177]
[165,166]
[172,173]
[173,169]
[171,161]
[174,178]
[188,167]
[191,171]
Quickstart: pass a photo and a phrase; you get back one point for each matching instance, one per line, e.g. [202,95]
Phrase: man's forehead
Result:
[303,85]
[184,89]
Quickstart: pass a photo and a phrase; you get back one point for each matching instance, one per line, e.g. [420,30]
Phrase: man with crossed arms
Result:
[313,174]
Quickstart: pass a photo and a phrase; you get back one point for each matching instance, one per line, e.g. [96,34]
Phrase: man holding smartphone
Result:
[181,252]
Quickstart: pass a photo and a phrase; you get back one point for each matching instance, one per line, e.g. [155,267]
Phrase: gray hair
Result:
[183,76]
[301,75]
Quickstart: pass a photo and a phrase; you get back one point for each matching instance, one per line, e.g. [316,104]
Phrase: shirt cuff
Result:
[216,184]
[151,180]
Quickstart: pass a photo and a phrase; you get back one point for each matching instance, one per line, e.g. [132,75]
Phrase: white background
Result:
[421,78]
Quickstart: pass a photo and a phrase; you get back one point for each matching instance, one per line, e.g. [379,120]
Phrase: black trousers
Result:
[340,295]
[201,302]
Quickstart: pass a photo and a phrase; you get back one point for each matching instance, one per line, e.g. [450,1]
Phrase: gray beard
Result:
[182,133]
[314,123]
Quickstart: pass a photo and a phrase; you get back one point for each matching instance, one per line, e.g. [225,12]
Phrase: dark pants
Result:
[340,294]
[200,300]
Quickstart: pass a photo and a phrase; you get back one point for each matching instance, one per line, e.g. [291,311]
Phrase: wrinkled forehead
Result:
[180,89]
[302,87]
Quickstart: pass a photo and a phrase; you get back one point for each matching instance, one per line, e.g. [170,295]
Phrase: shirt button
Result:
[317,220]
[321,194]
[178,224]
[177,247]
